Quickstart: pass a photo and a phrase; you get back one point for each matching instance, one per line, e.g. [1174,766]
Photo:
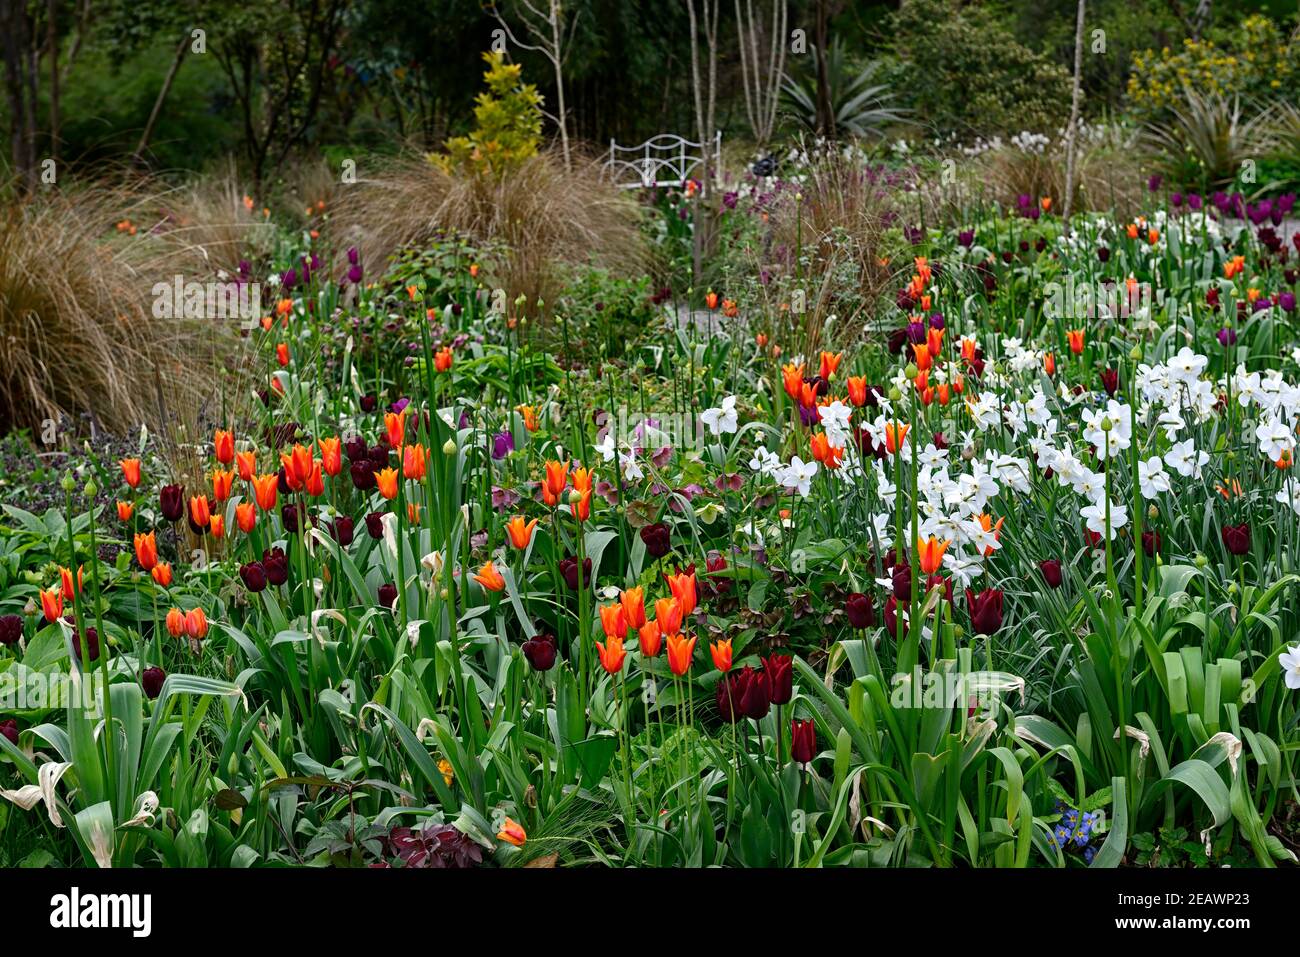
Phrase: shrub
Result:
[508,122]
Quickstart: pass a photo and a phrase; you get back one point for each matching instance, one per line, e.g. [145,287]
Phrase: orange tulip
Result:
[968,349]
[858,390]
[633,602]
[987,523]
[923,358]
[1046,203]
[1075,338]
[490,578]
[218,526]
[529,415]
[557,477]
[300,464]
[651,638]
[934,341]
[386,480]
[65,580]
[196,623]
[1153,236]
[175,622]
[221,482]
[414,461]
[245,516]
[131,471]
[146,550]
[930,554]
[520,532]
[265,489]
[682,585]
[613,622]
[282,353]
[830,362]
[582,479]
[668,615]
[942,393]
[200,514]
[1132,231]
[680,651]
[711,299]
[792,378]
[413,513]
[125,511]
[1049,363]
[512,833]
[582,508]
[331,456]
[51,604]
[315,481]
[223,444]
[895,436]
[162,574]
[246,462]
[395,424]
[721,652]
[442,359]
[824,452]
[611,654]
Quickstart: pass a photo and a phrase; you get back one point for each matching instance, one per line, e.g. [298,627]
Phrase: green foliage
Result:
[508,122]
[963,72]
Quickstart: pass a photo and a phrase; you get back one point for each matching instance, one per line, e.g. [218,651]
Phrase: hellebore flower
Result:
[657,539]
[540,650]
[1236,538]
[803,741]
[985,610]
[151,679]
[859,610]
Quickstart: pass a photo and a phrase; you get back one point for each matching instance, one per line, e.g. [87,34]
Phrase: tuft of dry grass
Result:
[78,334]
[544,218]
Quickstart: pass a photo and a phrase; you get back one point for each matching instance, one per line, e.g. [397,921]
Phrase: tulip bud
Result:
[1153,513]
[910,370]
[68,483]
[1135,353]
[449,447]
[574,496]
[91,489]
[1200,560]
[894,394]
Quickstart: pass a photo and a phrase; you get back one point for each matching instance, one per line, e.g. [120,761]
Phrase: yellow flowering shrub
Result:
[507,123]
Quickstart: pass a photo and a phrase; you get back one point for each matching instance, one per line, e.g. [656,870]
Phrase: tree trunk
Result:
[138,156]
[13,22]
[52,44]
[825,109]
[558,60]
[1073,129]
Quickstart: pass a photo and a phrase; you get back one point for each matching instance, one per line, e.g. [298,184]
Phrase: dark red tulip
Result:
[891,616]
[387,594]
[938,581]
[342,527]
[1110,380]
[540,651]
[756,696]
[859,610]
[92,644]
[291,518]
[276,565]
[569,572]
[985,610]
[657,540]
[780,678]
[369,403]
[171,501]
[11,629]
[1051,569]
[151,679]
[1236,538]
[10,730]
[902,579]
[363,474]
[1151,542]
[728,694]
[356,449]
[253,575]
[803,741]
[375,525]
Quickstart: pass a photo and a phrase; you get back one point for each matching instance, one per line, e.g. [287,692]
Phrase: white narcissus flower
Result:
[1152,477]
[1095,516]
[1184,459]
[606,447]
[723,419]
[765,462]
[798,475]
[1275,438]
[1290,662]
